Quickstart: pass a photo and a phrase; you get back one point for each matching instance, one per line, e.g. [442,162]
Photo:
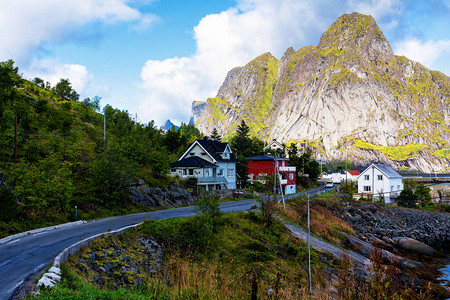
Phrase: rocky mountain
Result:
[168,125]
[347,97]
[196,111]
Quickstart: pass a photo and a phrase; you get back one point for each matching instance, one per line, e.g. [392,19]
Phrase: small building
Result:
[264,164]
[352,175]
[380,180]
[211,162]
[277,146]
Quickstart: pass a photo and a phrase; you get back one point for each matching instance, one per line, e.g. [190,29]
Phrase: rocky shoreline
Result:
[399,229]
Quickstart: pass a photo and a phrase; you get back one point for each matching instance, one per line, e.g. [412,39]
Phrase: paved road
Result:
[23,258]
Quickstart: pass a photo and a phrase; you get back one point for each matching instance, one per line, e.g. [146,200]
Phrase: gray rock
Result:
[409,244]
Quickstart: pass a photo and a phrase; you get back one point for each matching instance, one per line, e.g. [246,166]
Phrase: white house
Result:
[380,180]
[275,145]
[211,162]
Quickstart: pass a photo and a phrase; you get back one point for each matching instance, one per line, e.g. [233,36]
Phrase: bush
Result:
[193,233]
[407,198]
[8,205]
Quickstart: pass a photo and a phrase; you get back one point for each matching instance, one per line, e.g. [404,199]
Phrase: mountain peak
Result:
[359,33]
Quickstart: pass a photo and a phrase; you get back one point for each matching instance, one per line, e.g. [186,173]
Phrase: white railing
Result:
[287,169]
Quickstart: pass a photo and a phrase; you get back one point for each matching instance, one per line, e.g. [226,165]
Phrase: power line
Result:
[56,134]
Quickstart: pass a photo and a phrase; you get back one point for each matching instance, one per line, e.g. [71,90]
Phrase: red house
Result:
[264,164]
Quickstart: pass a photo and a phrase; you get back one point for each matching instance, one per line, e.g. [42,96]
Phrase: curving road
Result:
[23,258]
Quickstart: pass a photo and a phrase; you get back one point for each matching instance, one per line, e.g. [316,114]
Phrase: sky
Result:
[154,57]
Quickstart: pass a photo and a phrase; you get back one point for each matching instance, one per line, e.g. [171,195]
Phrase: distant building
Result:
[352,175]
[264,164]
[211,162]
[275,145]
[380,181]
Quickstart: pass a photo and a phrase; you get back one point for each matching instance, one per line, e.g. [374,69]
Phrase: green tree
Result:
[64,90]
[241,143]
[111,179]
[45,183]
[215,135]
[422,193]
[39,82]
[312,168]
[407,198]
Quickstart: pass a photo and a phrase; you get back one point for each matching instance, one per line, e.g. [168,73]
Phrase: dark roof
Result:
[215,149]
[265,157]
[193,161]
[388,170]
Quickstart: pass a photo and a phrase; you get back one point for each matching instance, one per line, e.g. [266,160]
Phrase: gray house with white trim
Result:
[211,162]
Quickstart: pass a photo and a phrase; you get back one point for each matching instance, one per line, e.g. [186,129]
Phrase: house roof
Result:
[386,169]
[213,148]
[264,157]
[354,172]
[193,161]
[275,143]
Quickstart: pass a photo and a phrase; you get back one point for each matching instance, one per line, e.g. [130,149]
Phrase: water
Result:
[445,278]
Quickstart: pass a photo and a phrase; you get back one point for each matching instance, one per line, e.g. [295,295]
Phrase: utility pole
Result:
[275,174]
[373,184]
[15,147]
[346,171]
[15,140]
[104,126]
[309,251]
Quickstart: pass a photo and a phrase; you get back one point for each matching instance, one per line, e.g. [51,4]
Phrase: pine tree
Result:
[215,135]
[241,142]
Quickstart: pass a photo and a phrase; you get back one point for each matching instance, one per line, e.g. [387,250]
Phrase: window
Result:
[398,187]
[291,176]
[225,155]
[191,171]
[366,177]
[203,153]
[392,188]
[380,177]
[231,173]
[192,154]
[184,171]
[367,188]
[220,172]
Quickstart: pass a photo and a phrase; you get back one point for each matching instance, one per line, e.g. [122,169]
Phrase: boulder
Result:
[412,245]
[180,195]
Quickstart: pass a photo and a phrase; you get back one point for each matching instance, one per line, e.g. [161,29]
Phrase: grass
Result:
[250,254]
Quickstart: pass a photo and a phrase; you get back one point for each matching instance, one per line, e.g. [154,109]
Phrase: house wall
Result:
[198,151]
[259,167]
[229,173]
[384,185]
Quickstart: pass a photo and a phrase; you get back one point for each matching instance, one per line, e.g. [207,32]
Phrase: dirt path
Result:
[323,246]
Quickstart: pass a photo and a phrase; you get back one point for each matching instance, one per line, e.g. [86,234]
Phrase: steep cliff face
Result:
[349,96]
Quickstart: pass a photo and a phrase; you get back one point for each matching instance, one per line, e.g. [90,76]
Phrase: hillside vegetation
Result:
[64,159]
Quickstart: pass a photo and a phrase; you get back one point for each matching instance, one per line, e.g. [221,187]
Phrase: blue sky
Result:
[154,57]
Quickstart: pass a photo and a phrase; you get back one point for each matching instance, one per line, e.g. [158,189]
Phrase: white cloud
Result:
[224,41]
[53,71]
[429,53]
[25,25]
